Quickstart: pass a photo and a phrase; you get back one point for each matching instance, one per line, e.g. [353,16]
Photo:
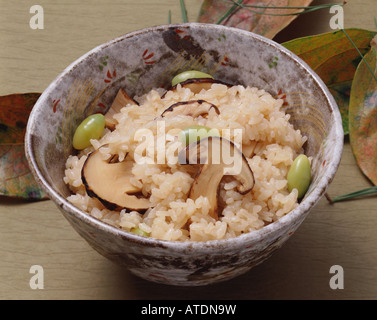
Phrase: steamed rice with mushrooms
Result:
[269,144]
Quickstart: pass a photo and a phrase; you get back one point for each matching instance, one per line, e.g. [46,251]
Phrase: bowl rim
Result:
[251,237]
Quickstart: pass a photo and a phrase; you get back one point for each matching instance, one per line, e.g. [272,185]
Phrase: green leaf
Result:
[183,11]
[334,58]
[363,115]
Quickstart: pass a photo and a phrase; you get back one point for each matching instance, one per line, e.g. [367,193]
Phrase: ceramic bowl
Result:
[149,58]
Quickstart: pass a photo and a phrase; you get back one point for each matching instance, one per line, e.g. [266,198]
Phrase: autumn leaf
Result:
[16,180]
[265,22]
[334,58]
[363,115]
[15,110]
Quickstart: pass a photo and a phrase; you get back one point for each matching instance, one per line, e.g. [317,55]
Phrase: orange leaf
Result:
[255,19]
[363,115]
[14,113]
[16,180]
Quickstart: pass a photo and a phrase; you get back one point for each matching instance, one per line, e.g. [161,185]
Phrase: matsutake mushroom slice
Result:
[196,85]
[121,100]
[110,182]
[219,157]
[193,108]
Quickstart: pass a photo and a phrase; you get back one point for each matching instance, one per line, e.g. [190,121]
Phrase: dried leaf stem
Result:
[183,11]
[306,9]
[361,55]
[352,195]
[230,11]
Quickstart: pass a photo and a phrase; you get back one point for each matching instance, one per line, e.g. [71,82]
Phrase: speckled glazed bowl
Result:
[150,58]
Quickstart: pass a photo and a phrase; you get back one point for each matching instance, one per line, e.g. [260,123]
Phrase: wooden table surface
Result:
[35,233]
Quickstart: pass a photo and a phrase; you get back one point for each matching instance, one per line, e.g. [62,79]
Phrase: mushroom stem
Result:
[121,100]
[208,178]
[219,157]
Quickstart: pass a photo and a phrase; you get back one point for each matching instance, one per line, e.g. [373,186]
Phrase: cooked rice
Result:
[174,216]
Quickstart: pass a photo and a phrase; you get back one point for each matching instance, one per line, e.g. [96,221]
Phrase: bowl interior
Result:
[149,58]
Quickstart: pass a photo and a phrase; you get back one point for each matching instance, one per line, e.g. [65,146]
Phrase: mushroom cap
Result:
[193,108]
[196,84]
[110,182]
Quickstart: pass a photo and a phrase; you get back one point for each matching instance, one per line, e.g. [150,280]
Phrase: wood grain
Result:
[35,233]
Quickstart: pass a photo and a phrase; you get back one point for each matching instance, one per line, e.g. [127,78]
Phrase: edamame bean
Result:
[91,128]
[191,74]
[195,133]
[140,232]
[299,175]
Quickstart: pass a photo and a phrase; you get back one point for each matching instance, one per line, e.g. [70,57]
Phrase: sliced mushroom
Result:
[193,108]
[248,150]
[121,100]
[197,84]
[110,182]
[219,157]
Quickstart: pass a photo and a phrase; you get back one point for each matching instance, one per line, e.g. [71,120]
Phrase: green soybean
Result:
[140,232]
[191,74]
[195,133]
[91,128]
[299,175]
